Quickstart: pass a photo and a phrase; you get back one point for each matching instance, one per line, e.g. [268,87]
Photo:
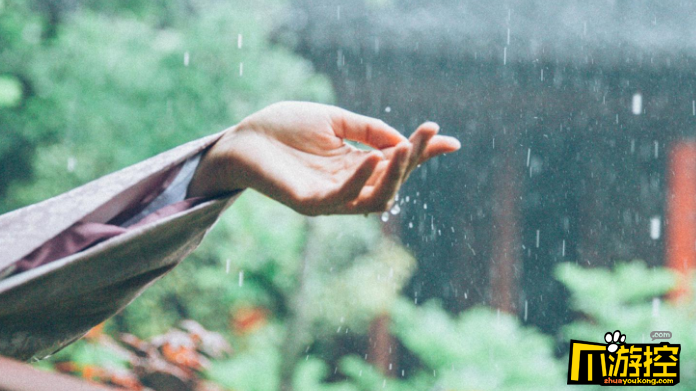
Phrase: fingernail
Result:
[432,124]
[402,145]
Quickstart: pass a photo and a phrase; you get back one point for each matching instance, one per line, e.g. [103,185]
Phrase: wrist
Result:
[217,173]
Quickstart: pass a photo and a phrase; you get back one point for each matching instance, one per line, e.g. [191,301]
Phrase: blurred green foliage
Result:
[20,41]
[112,88]
[481,349]
[89,89]
[630,298]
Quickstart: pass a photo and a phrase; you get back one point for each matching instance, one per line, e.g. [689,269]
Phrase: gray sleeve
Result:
[176,192]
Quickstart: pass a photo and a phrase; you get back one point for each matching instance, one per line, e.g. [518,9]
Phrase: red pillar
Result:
[504,280]
[681,216]
[382,349]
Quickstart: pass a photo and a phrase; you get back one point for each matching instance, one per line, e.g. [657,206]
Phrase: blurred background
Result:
[569,212]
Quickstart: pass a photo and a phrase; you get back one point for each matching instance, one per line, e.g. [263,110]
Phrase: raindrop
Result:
[637,106]
[525,310]
[239,41]
[227,267]
[395,209]
[425,206]
[410,225]
[529,156]
[186,59]
[693,107]
[563,249]
[537,238]
[656,307]
[657,146]
[505,55]
[241,278]
[72,162]
[655,228]
[471,248]
[508,36]
[385,217]
[408,198]
[387,109]
[241,68]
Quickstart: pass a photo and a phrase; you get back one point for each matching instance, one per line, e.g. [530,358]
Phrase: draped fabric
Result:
[51,304]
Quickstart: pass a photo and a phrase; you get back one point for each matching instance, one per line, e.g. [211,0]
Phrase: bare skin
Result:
[295,153]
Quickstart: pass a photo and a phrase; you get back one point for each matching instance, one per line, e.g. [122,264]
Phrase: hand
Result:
[295,153]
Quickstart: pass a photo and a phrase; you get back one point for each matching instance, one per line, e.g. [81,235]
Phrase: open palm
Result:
[295,152]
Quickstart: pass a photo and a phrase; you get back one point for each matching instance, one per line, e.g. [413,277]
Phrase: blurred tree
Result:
[630,298]
[20,40]
[114,89]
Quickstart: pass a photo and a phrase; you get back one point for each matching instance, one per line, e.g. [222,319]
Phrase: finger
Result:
[366,130]
[379,171]
[420,139]
[439,145]
[351,188]
[378,198]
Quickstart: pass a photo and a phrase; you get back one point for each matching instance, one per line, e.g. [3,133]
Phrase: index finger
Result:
[367,130]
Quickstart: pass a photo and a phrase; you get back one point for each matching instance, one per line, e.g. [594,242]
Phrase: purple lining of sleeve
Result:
[81,236]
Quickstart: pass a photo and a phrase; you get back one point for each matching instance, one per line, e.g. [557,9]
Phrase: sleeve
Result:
[105,200]
[175,192]
[47,307]
[165,198]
